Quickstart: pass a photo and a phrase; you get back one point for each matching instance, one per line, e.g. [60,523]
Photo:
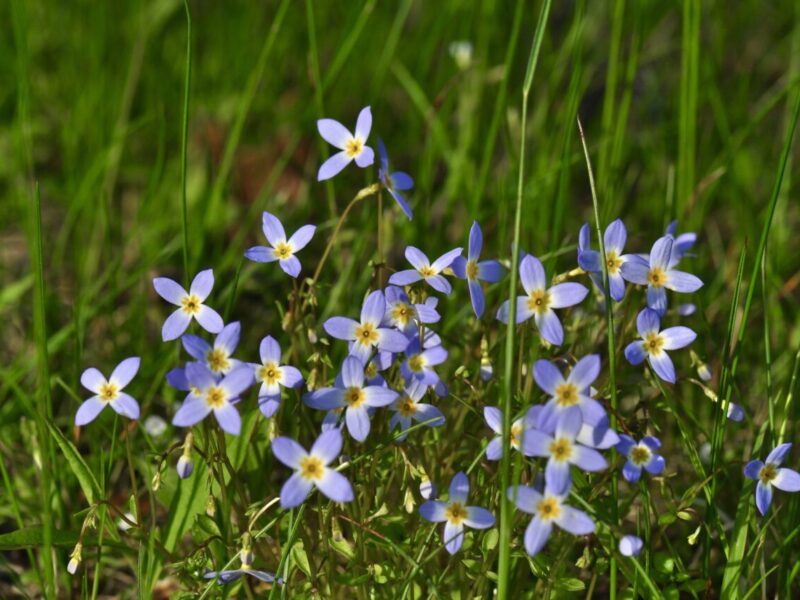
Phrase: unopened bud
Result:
[408,501]
[211,506]
[426,489]
[703,372]
[156,482]
[286,323]
[75,559]
[185,466]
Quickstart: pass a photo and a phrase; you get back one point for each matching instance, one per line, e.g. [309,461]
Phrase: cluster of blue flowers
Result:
[569,430]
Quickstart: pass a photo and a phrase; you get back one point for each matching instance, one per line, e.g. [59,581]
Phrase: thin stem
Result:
[184,139]
[612,362]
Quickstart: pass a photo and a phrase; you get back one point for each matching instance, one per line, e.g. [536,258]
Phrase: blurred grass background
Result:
[685,106]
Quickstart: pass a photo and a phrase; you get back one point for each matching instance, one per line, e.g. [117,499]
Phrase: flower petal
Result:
[585,372]
[536,535]
[375,395]
[406,277]
[678,281]
[763,497]
[575,521]
[357,420]
[662,365]
[476,296]
[288,451]
[237,381]
[196,346]
[302,237]
[459,488]
[657,299]
[341,328]
[228,418]
[647,321]
[446,259]
[433,511]
[615,237]
[753,468]
[531,274]
[324,399]
[524,497]
[635,353]
[364,123]
[453,537]
[494,418]
[269,350]
[333,165]
[92,379]
[291,266]
[479,518]
[547,376]
[209,319]
[269,405]
[589,261]
[328,446]
[352,372]
[125,405]
[588,459]
[374,308]
[550,327]
[202,284]
[401,201]
[292,377]
[392,341]
[333,132]
[366,157]
[295,491]
[569,422]
[335,486]
[631,472]
[475,241]
[777,455]
[169,290]
[440,284]
[175,325]
[494,450]
[630,545]
[193,410]
[563,295]
[490,271]
[402,181]
[228,338]
[787,480]
[635,269]
[556,474]
[677,337]
[261,254]
[660,253]
[88,411]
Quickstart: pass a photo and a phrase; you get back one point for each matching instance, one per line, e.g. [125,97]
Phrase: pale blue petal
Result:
[295,491]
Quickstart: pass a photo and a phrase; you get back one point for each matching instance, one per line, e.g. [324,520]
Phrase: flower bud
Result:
[185,466]
[408,501]
[75,559]
[211,506]
[156,482]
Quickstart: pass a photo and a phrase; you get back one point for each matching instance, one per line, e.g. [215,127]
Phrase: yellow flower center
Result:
[416,363]
[538,301]
[215,397]
[195,390]
[407,407]
[354,397]
[472,270]
[270,373]
[613,262]
[566,394]
[191,304]
[515,431]
[653,343]
[548,509]
[366,334]
[402,313]
[561,449]
[311,468]
[455,513]
[768,473]
[108,392]
[218,361]
[657,277]
[427,272]
[283,251]
[640,455]
[353,147]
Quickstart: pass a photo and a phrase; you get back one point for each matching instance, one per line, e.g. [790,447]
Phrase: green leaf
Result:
[88,483]
[33,537]
[300,558]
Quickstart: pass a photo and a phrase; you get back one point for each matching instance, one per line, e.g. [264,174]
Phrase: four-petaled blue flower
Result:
[655,342]
[541,300]
[614,240]
[659,275]
[367,334]
[350,393]
[311,469]
[190,303]
[424,269]
[769,474]
[394,182]
[420,360]
[408,408]
[562,450]
[217,357]
[213,396]
[519,431]
[281,249]
[230,575]
[575,390]
[405,316]
[273,375]
[547,509]
[641,455]
[109,392]
[353,147]
[474,272]
[456,514]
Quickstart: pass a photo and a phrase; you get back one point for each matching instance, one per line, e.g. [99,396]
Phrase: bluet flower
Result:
[589,260]
[214,396]
[273,375]
[640,455]
[280,248]
[659,275]
[190,303]
[408,408]
[519,431]
[683,242]
[368,333]
[217,357]
[574,390]
[562,450]
[311,469]
[405,316]
[770,474]
[352,146]
[548,509]
[455,514]
[540,300]
[655,342]
[109,392]
[424,269]
[419,363]
[475,271]
[350,393]
[394,182]
[246,568]
[630,545]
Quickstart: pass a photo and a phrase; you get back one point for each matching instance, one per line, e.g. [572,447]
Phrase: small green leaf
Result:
[86,479]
